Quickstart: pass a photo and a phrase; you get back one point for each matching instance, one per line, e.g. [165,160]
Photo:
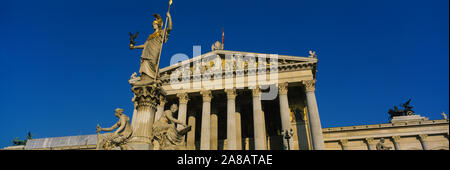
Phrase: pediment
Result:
[284,61]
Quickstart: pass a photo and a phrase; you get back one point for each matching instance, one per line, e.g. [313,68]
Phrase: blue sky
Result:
[64,65]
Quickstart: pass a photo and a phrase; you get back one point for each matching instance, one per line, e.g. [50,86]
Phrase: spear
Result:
[162,42]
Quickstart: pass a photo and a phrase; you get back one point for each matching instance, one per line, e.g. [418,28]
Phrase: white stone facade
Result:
[229,113]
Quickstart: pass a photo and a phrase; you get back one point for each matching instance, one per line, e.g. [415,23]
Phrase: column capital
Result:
[310,85]
[283,88]
[396,139]
[256,91]
[146,96]
[207,96]
[231,93]
[183,98]
[370,141]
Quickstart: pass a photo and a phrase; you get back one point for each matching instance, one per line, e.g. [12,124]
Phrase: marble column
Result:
[313,115]
[214,132]
[371,144]
[183,99]
[160,108]
[423,141]
[231,119]
[206,121]
[258,124]
[191,134]
[344,144]
[264,130]
[285,115]
[133,119]
[247,144]
[238,131]
[396,141]
[146,98]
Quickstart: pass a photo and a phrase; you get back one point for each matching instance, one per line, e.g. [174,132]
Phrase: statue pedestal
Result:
[410,118]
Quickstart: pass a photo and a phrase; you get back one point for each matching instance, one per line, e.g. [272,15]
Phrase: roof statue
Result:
[18,142]
[312,54]
[399,112]
[217,46]
[444,116]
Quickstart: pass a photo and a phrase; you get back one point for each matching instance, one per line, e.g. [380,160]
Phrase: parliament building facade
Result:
[288,121]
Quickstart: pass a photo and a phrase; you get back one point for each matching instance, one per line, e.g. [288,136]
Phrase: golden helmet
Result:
[158,20]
